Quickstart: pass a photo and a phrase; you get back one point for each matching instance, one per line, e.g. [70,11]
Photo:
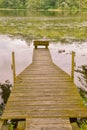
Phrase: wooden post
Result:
[13,67]
[72,65]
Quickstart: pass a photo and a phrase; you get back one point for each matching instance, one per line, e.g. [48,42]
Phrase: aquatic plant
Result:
[57,27]
[82,122]
[6,89]
[5,92]
[83,71]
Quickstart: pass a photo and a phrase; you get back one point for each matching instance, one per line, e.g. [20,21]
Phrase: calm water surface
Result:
[24,53]
[23,56]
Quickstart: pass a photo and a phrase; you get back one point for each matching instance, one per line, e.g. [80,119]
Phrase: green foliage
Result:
[82,124]
[44,4]
[14,4]
[55,26]
[11,127]
[83,78]
[5,90]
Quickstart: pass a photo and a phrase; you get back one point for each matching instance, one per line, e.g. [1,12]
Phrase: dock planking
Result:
[44,93]
[1,124]
[48,124]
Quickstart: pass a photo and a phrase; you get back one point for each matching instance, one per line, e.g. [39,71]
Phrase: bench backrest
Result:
[41,43]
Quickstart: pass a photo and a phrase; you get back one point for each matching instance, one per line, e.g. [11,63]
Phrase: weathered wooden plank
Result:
[45,103]
[1,124]
[45,108]
[5,127]
[21,125]
[44,98]
[26,113]
[48,124]
[39,88]
[36,91]
[43,84]
[46,94]
[67,103]
[44,90]
[75,126]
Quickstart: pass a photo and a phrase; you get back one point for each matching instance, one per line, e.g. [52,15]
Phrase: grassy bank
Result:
[37,26]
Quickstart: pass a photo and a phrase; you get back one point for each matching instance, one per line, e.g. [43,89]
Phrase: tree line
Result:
[44,4]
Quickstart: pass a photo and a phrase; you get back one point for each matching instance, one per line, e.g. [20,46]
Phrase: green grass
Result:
[36,27]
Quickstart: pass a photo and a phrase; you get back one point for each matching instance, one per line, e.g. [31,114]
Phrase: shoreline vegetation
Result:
[46,5]
[5,90]
[54,5]
[53,10]
[33,25]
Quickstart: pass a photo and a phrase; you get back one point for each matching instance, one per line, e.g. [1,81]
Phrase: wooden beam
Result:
[1,124]
[13,67]
[41,43]
[72,65]
[48,124]
[21,125]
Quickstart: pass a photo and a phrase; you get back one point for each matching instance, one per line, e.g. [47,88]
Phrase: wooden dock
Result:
[45,96]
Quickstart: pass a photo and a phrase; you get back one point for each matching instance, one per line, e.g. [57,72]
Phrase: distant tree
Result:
[14,3]
[34,4]
[23,3]
[44,4]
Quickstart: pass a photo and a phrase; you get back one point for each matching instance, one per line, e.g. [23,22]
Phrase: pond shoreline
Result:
[55,26]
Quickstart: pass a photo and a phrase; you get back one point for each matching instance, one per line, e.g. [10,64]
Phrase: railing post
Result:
[72,65]
[13,67]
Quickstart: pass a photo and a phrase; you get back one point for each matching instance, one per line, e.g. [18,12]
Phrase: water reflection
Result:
[63,60]
[26,12]
[23,56]
[13,13]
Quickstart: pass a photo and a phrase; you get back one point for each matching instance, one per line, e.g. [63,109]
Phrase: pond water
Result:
[24,53]
[23,56]
[65,31]
[63,59]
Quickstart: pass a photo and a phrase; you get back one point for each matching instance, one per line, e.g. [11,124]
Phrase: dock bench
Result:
[41,43]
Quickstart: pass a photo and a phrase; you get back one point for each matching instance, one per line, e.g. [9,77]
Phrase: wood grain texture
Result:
[44,91]
[1,124]
[48,124]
